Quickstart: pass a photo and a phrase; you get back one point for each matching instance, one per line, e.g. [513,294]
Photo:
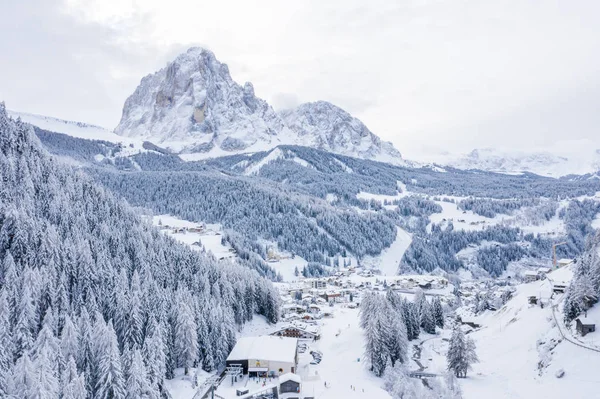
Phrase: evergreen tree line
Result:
[314,270]
[489,207]
[391,321]
[584,289]
[256,209]
[286,211]
[438,247]
[95,303]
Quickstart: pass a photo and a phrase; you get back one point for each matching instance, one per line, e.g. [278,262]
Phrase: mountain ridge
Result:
[195,108]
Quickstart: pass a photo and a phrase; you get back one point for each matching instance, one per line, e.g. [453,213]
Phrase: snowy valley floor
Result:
[519,346]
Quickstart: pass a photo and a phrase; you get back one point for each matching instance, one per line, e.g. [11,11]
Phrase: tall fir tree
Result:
[461,353]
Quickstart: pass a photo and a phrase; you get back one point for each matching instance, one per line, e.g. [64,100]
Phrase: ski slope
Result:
[389,259]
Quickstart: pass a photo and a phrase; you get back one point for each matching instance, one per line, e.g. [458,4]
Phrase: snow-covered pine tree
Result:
[397,341]
[110,383]
[23,333]
[461,353]
[137,384]
[73,384]
[6,343]
[47,373]
[154,354]
[419,301]
[438,312]
[186,338]
[24,382]
[135,322]
[69,340]
[427,318]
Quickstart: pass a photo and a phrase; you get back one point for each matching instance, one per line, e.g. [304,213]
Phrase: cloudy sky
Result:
[428,75]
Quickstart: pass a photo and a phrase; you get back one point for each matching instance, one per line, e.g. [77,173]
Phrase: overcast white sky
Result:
[423,74]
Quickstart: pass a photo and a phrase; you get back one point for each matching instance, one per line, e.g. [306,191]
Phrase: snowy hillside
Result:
[194,107]
[324,126]
[80,130]
[523,344]
[577,157]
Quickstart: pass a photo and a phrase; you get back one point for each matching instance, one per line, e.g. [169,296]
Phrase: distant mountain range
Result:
[573,158]
[193,108]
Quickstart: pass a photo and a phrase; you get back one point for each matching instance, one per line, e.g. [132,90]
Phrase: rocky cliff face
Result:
[324,126]
[194,107]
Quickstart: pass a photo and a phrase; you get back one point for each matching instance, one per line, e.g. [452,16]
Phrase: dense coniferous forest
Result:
[94,302]
[281,203]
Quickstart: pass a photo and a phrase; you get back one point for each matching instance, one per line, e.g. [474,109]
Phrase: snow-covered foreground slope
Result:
[520,348]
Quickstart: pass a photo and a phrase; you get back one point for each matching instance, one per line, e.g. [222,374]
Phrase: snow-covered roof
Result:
[543,270]
[530,273]
[586,320]
[302,326]
[290,377]
[266,347]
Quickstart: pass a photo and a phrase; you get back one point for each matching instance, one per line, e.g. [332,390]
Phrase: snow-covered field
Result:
[210,238]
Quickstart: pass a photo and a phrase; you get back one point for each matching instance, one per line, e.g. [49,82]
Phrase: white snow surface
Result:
[210,239]
[520,349]
[388,261]
[81,130]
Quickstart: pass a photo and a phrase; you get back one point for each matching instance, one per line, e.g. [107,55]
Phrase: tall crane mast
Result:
[554,252]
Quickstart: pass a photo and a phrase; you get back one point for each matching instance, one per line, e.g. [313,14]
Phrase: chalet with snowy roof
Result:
[265,355]
[585,325]
[542,271]
[530,276]
[331,296]
[299,330]
[564,262]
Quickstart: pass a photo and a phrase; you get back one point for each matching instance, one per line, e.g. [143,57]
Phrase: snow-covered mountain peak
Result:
[327,127]
[193,105]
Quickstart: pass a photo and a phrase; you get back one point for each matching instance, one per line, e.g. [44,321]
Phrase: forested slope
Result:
[93,301]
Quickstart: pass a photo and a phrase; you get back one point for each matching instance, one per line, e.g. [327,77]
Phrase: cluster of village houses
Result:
[273,358]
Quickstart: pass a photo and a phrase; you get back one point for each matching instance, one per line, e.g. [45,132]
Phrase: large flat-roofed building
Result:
[265,355]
